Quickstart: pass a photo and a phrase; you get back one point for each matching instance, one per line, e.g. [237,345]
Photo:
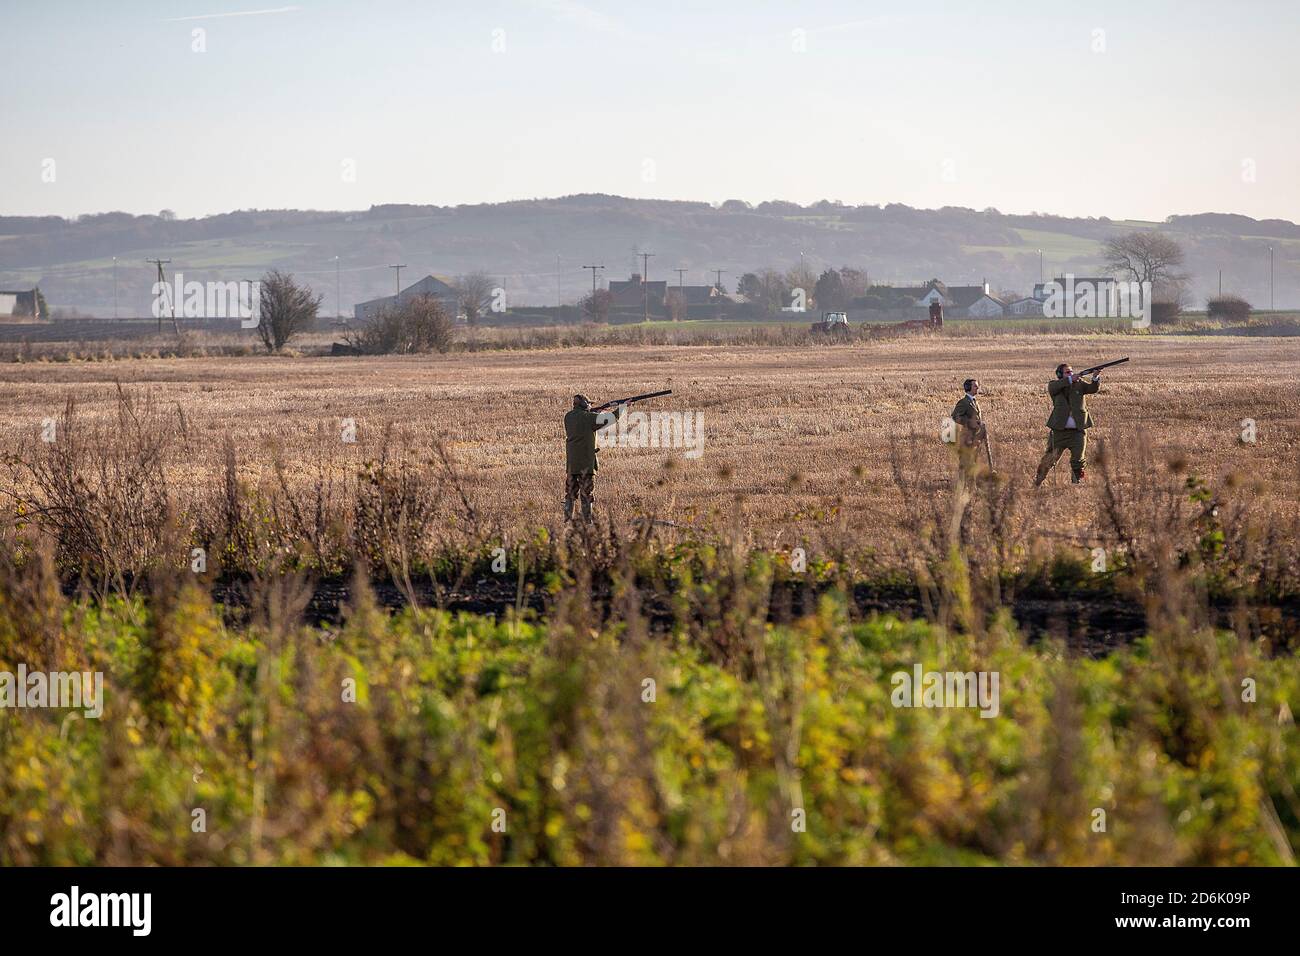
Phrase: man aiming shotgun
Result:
[580,426]
[1070,419]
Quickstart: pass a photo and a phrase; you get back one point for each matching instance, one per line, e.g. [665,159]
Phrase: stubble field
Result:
[797,441]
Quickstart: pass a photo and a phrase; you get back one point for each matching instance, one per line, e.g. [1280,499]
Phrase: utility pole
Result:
[557,286]
[1271,306]
[399,269]
[593,269]
[1040,266]
[679,277]
[115,288]
[717,282]
[645,287]
[161,281]
[338,286]
[1220,283]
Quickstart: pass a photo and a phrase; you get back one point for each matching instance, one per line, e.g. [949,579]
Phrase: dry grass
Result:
[801,438]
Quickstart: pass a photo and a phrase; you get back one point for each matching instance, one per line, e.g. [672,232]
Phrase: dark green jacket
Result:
[1070,398]
[967,414]
[580,429]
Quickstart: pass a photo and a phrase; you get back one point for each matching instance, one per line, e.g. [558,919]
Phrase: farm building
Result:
[1100,291]
[429,285]
[1026,306]
[986,306]
[955,297]
[21,305]
[634,294]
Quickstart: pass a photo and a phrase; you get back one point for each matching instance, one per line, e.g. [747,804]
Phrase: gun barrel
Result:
[637,398]
[1098,368]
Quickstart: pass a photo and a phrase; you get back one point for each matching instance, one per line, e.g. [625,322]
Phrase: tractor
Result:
[834,325]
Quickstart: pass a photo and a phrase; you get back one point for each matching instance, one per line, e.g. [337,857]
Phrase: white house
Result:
[986,307]
[949,296]
[1091,295]
[1026,306]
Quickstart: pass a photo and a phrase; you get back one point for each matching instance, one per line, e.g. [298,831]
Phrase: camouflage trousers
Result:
[579,487]
[1061,440]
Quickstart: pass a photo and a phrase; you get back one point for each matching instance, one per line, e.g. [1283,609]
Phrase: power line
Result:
[593,279]
[163,282]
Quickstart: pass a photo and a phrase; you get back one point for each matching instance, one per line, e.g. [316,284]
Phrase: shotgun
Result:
[635,398]
[1098,368]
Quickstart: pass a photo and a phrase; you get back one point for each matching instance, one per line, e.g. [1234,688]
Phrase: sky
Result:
[1119,109]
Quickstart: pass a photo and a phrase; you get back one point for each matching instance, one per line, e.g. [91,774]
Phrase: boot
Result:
[586,511]
[568,509]
[1077,479]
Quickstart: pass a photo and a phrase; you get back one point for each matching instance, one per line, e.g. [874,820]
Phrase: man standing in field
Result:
[1068,422]
[966,413]
[580,427]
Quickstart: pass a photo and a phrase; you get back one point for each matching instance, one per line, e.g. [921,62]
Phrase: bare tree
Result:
[829,290]
[766,289]
[475,291]
[286,309]
[421,324]
[596,306]
[1145,256]
[855,283]
[675,304]
[802,277]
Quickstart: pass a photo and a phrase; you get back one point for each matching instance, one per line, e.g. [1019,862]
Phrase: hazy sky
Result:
[1132,110]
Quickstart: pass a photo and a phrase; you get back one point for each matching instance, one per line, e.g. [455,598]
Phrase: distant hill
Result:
[518,242]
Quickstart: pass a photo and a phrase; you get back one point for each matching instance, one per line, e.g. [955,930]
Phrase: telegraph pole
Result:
[645,288]
[160,263]
[679,277]
[115,288]
[593,280]
[717,282]
[399,269]
[1271,306]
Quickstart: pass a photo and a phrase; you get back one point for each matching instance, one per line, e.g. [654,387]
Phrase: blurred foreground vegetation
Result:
[553,733]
